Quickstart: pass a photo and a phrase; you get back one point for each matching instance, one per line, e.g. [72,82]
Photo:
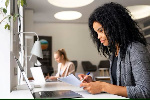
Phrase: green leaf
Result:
[6,3]
[9,18]
[23,2]
[15,16]
[4,10]
[7,26]
[18,3]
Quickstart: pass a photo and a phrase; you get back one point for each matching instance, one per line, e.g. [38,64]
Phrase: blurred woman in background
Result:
[65,67]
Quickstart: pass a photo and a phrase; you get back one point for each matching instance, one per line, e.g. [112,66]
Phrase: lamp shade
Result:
[33,58]
[38,63]
[37,50]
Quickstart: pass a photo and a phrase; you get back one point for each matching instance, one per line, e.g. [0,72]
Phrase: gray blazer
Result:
[134,71]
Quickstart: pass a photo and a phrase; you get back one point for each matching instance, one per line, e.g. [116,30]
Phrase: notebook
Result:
[38,75]
[58,94]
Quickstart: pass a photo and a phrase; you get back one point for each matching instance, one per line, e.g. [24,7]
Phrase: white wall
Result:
[4,60]
[7,63]
[28,20]
[28,27]
[74,38]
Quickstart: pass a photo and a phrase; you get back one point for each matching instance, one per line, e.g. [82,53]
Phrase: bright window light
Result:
[70,3]
[139,11]
[68,15]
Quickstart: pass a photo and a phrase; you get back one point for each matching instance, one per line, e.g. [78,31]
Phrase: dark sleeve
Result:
[140,62]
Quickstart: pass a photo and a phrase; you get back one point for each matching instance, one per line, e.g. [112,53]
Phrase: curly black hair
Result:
[118,27]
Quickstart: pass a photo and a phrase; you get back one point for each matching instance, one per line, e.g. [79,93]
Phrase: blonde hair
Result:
[62,52]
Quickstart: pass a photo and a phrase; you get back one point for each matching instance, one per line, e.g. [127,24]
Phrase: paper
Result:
[71,79]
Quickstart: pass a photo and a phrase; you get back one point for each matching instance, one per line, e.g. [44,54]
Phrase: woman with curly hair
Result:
[118,37]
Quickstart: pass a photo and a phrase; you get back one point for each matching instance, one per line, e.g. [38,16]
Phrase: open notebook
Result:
[47,94]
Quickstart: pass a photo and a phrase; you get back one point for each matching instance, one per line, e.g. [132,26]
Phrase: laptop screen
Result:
[37,75]
[47,94]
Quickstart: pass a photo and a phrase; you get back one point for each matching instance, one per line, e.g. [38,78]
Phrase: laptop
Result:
[38,75]
[58,94]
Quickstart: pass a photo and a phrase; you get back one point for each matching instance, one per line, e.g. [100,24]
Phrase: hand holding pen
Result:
[85,78]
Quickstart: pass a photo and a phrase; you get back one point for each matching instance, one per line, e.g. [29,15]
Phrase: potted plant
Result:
[3,11]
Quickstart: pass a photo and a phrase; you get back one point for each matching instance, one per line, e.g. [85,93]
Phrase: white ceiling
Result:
[44,11]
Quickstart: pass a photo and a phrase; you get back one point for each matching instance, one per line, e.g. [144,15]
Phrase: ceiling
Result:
[43,11]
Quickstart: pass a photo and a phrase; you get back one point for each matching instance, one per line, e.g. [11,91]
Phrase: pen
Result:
[84,77]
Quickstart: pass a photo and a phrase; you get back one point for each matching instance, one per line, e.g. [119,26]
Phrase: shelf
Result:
[104,78]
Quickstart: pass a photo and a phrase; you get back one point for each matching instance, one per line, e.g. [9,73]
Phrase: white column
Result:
[4,55]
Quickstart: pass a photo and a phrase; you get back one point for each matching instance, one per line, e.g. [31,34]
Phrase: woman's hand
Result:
[47,77]
[53,78]
[86,78]
[93,87]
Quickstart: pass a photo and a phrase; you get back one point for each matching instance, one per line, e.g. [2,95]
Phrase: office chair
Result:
[104,67]
[88,66]
[75,64]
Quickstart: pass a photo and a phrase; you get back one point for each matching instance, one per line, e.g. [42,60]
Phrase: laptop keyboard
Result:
[47,94]
[57,94]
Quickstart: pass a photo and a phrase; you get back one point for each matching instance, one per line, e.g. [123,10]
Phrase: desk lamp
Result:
[36,49]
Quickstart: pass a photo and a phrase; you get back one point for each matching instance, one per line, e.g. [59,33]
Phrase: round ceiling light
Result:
[68,15]
[70,3]
[139,11]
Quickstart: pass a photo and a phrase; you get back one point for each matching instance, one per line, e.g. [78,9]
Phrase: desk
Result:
[50,86]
